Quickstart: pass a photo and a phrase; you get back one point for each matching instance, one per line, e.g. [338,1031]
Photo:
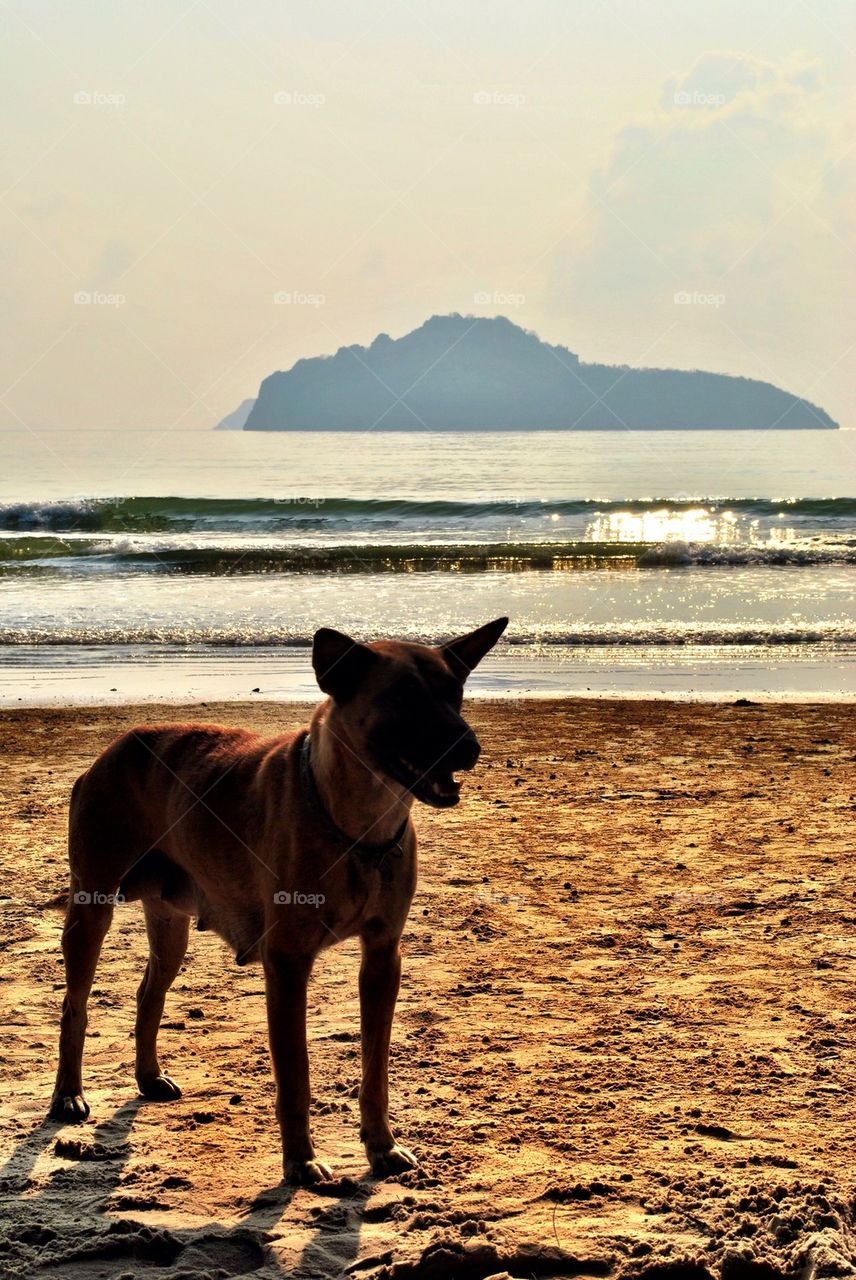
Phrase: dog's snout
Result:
[465,752]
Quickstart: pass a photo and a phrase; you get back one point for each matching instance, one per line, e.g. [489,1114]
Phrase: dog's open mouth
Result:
[437,786]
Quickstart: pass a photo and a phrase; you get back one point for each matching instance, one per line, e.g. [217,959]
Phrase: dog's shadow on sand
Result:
[82,1219]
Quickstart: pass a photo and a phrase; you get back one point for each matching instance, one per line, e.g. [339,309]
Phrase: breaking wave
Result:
[220,556]
[177,514]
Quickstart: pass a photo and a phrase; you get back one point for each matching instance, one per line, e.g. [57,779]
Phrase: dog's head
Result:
[402,703]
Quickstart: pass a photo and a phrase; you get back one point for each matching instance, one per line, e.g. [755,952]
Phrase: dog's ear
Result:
[339,663]
[465,653]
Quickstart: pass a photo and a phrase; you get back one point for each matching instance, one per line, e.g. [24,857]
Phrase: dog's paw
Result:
[395,1159]
[158,1088]
[69,1108]
[305,1173]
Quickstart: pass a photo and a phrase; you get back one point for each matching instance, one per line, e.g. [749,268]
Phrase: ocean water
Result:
[173,564]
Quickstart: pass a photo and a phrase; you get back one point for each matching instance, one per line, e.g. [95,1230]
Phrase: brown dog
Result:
[283,847]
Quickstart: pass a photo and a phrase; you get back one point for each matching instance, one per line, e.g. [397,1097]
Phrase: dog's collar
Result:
[374,853]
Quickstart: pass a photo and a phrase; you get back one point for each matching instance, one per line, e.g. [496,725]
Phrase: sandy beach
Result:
[624,1044]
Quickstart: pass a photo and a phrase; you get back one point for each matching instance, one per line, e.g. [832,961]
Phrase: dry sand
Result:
[624,1044]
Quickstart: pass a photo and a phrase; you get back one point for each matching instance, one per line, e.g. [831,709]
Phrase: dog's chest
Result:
[364,893]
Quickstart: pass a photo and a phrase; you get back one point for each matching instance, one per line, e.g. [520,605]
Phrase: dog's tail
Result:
[60,900]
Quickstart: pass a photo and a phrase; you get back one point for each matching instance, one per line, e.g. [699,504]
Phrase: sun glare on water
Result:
[691,525]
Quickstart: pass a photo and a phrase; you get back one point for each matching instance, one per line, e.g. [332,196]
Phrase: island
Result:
[236,420]
[480,373]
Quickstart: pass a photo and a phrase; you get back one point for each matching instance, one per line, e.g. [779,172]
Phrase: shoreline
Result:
[114,675]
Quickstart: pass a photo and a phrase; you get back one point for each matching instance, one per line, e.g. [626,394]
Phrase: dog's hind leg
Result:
[86,923]
[168,933]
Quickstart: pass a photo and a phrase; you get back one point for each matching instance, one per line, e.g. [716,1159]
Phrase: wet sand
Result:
[624,1044]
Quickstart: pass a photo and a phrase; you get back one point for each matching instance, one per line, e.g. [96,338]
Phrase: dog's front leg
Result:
[380,974]
[286,980]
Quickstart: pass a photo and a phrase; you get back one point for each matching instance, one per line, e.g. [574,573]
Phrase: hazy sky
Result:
[573,164]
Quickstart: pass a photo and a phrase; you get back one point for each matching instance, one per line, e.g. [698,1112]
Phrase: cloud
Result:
[740,82]
[694,190]
[728,186]
[114,258]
